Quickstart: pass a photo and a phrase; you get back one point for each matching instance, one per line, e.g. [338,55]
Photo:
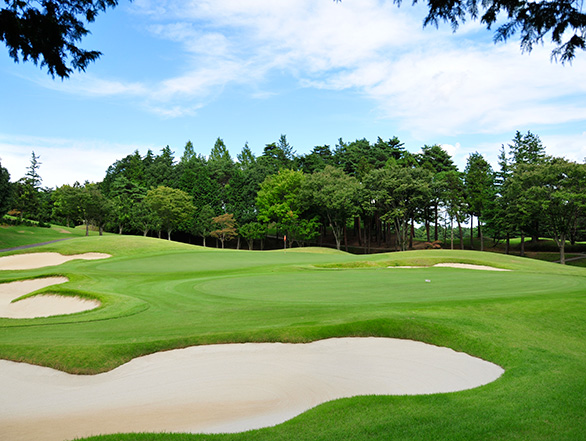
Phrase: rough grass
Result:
[160,295]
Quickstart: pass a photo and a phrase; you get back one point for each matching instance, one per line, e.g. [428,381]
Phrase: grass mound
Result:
[160,295]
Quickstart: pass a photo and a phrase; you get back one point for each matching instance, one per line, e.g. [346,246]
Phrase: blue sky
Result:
[315,70]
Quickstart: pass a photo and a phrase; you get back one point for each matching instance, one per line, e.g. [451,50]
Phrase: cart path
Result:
[33,245]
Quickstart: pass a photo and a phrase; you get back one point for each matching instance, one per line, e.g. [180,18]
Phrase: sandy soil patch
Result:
[468,266]
[225,388]
[41,305]
[40,260]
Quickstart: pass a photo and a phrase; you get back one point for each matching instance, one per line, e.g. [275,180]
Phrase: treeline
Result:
[379,191]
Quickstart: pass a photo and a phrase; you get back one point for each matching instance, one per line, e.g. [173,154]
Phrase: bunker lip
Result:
[41,260]
[225,388]
[43,305]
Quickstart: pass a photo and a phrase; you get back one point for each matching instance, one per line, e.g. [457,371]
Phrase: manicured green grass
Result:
[15,236]
[160,295]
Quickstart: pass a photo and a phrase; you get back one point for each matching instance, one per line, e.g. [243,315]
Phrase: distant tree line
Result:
[379,191]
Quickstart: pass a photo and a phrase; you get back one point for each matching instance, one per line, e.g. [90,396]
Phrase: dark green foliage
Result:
[564,21]
[203,222]
[172,207]
[5,191]
[48,32]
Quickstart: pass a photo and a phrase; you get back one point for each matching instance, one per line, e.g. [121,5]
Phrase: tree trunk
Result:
[87,228]
[238,243]
[101,228]
[562,245]
[120,227]
[460,232]
[359,231]
[471,231]
[345,238]
[452,233]
[522,245]
[481,232]
[169,234]
[145,232]
[222,240]
[251,245]
[204,241]
[435,235]
[411,234]
[508,243]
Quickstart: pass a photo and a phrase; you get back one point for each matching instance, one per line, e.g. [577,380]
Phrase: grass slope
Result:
[158,295]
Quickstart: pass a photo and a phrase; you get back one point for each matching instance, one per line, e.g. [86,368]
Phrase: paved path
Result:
[580,257]
[33,245]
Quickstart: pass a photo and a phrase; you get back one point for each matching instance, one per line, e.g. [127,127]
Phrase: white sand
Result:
[457,265]
[42,305]
[40,260]
[224,388]
[468,266]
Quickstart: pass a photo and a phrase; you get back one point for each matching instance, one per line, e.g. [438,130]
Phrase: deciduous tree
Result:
[225,227]
[173,207]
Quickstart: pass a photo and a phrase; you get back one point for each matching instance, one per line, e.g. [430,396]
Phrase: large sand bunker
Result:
[44,305]
[40,260]
[224,388]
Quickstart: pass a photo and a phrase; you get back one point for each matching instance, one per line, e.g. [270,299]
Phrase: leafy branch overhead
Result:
[48,32]
[533,21]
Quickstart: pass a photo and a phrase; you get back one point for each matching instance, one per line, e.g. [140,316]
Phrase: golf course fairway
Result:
[156,295]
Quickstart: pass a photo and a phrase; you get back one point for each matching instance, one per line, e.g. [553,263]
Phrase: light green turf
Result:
[160,295]
[15,236]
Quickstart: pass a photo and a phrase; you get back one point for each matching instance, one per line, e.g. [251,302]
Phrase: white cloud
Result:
[572,147]
[63,161]
[428,82]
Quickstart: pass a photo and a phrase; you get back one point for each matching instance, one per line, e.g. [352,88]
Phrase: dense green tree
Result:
[454,200]
[143,218]
[556,189]
[334,195]
[195,178]
[132,167]
[162,171]
[173,207]
[94,208]
[526,149]
[435,159]
[5,191]
[66,204]
[301,230]
[27,191]
[480,190]
[278,200]
[319,157]
[398,192]
[278,155]
[203,222]
[124,195]
[48,32]
[246,158]
[252,231]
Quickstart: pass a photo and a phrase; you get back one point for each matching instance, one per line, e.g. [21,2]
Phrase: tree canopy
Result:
[562,20]
[49,31]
